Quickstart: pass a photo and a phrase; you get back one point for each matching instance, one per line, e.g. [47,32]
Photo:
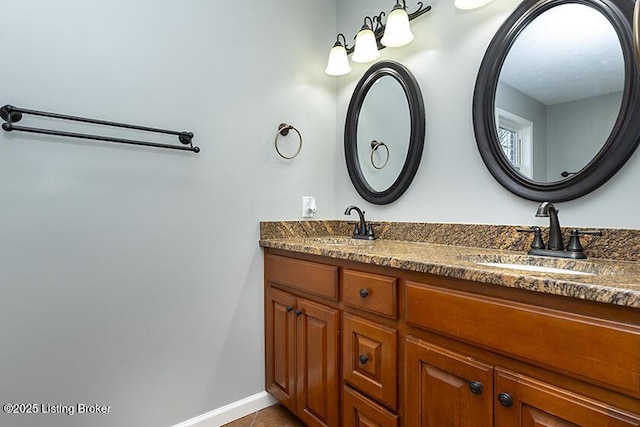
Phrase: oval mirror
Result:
[384,132]
[557,97]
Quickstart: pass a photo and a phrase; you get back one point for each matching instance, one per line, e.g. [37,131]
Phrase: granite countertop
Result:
[611,281]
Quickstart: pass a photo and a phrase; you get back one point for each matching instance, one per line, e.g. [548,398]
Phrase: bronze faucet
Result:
[362,230]
[555,245]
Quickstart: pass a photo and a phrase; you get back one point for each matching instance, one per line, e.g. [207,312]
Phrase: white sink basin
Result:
[537,268]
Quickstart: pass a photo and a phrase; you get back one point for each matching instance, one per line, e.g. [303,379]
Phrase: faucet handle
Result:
[356,229]
[370,232]
[574,242]
[537,236]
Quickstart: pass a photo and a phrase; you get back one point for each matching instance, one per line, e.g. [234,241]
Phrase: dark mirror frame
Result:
[416,139]
[622,141]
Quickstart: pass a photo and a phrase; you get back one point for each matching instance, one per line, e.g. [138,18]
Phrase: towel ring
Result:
[374,147]
[283,130]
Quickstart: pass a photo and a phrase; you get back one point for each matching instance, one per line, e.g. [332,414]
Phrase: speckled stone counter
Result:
[455,250]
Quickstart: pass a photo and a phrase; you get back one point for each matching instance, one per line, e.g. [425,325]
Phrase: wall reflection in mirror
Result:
[384,118]
[559,92]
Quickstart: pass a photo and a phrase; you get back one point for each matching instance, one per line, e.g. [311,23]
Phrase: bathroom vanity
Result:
[405,333]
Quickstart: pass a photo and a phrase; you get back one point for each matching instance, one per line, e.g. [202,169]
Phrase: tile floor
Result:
[273,416]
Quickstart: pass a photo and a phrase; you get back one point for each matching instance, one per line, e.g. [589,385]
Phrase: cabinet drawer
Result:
[370,358]
[604,352]
[358,411]
[371,292]
[311,277]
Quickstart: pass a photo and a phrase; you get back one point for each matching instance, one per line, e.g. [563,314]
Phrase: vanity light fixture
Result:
[373,36]
[470,4]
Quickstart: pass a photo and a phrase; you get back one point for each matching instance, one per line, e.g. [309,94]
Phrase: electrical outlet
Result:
[308,207]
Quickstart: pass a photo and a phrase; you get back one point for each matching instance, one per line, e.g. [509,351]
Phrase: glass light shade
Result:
[397,31]
[366,49]
[338,64]
[470,4]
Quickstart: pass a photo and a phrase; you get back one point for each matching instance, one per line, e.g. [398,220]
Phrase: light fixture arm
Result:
[377,20]
[404,5]
[343,43]
[378,31]
[366,26]
[421,9]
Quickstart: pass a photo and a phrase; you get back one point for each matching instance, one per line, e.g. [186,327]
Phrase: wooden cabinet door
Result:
[280,346]
[444,388]
[317,364]
[525,402]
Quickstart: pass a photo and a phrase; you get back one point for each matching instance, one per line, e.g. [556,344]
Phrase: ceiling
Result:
[569,52]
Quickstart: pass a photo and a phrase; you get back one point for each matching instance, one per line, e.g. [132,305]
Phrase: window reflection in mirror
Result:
[515,136]
[384,117]
[559,92]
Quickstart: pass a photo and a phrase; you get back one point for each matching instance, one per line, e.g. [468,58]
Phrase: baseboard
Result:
[231,412]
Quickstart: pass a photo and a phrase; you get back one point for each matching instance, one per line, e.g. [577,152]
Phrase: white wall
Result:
[132,277]
[452,184]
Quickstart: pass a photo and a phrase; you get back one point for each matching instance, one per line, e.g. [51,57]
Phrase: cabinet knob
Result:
[363,359]
[475,387]
[289,309]
[298,312]
[505,400]
[364,293]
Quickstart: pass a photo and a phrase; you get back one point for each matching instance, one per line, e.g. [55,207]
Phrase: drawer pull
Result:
[289,309]
[363,359]
[505,400]
[475,387]
[298,312]
[364,293]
